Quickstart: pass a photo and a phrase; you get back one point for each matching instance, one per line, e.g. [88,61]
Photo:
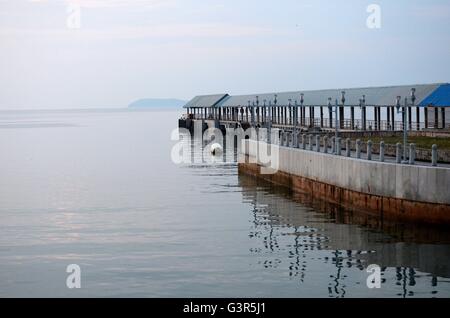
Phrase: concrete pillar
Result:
[347,147]
[382,150]
[358,148]
[338,146]
[325,144]
[434,155]
[310,140]
[303,141]
[369,150]
[412,154]
[317,143]
[298,140]
[333,145]
[398,152]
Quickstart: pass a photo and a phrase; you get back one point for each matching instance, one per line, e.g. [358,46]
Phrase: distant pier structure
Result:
[312,156]
[425,106]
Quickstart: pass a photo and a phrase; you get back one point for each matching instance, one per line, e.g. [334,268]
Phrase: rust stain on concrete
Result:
[386,207]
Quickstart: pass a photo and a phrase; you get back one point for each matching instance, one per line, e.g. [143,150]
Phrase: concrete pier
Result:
[406,192]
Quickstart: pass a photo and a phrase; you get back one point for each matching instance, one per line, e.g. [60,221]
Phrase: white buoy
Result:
[216,149]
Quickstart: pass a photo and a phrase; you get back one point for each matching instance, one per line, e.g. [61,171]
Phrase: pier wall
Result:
[411,192]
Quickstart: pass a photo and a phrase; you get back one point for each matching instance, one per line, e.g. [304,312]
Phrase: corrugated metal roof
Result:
[440,97]
[206,100]
[375,96]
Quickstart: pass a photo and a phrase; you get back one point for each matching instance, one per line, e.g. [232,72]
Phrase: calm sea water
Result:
[99,189]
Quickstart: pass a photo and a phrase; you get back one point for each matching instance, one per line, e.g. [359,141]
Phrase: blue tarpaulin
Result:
[439,98]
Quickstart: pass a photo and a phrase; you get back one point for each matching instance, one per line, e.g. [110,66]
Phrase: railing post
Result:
[398,153]
[434,155]
[338,146]
[325,144]
[317,143]
[310,140]
[412,154]
[358,148]
[304,142]
[382,151]
[369,150]
[333,145]
[347,147]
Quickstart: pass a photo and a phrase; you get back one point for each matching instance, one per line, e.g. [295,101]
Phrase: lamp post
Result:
[257,110]
[413,102]
[295,122]
[404,112]
[336,132]
[341,119]
[275,101]
[251,114]
[362,107]
[302,100]
[290,109]
[269,124]
[363,111]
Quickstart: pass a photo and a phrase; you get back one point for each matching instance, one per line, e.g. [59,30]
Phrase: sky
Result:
[57,54]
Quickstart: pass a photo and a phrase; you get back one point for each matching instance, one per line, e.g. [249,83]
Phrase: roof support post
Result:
[321,117]
[364,118]
[417,118]
[410,118]
[393,118]
[388,118]
[352,117]
[330,116]
[436,118]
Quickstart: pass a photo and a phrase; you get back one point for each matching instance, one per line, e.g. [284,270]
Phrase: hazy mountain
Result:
[158,103]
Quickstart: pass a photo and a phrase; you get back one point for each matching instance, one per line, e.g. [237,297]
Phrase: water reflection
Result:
[305,230]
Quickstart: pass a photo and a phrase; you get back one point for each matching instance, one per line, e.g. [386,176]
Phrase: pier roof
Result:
[206,100]
[440,97]
[426,95]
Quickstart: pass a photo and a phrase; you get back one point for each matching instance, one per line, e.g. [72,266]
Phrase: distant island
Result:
[158,103]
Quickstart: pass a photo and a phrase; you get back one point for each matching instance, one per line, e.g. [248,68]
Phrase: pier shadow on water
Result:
[322,246]
[414,260]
